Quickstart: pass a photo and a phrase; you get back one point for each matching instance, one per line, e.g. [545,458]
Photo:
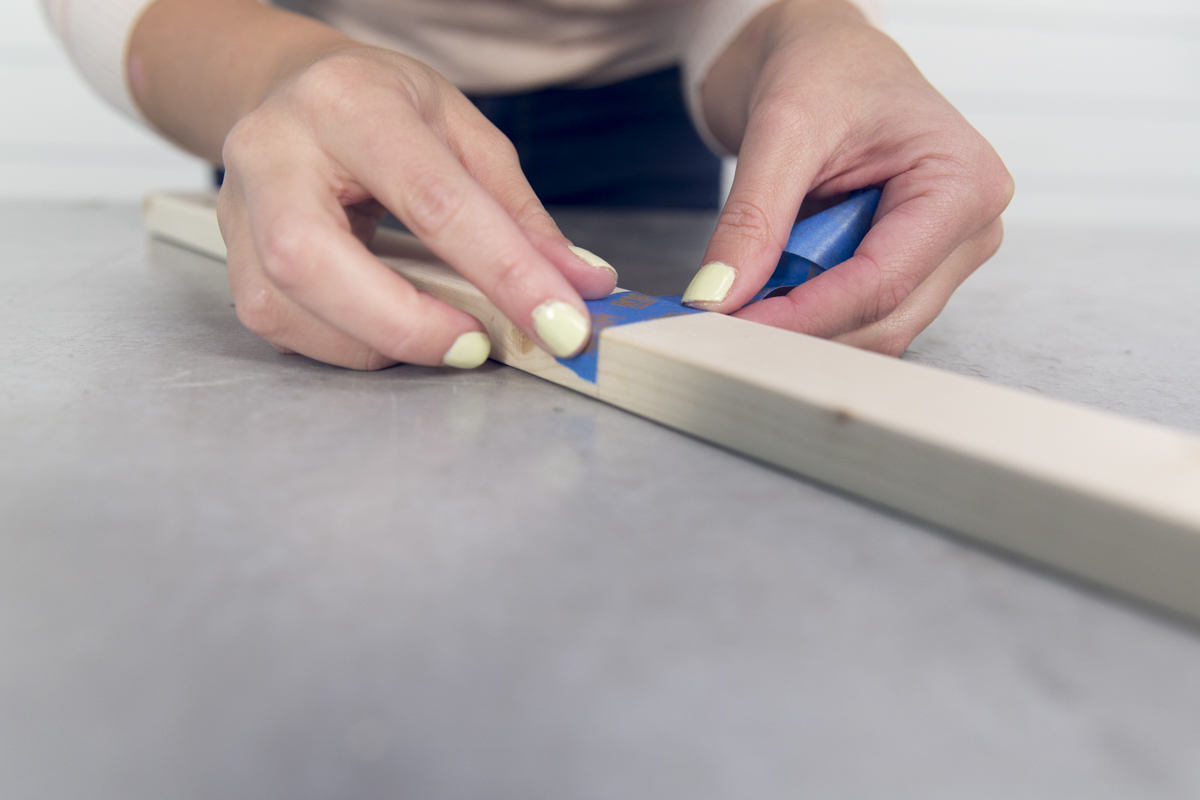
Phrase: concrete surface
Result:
[230,573]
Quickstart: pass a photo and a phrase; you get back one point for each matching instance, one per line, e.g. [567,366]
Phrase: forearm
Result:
[729,88]
[197,66]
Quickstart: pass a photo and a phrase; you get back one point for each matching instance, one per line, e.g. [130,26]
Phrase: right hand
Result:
[308,174]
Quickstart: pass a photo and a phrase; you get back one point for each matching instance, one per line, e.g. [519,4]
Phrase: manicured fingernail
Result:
[468,351]
[711,283]
[562,328]
[591,259]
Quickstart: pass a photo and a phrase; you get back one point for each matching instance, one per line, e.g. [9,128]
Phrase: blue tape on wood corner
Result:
[822,241]
[622,308]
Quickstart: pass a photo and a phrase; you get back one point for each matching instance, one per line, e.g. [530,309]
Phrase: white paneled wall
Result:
[58,139]
[1094,105]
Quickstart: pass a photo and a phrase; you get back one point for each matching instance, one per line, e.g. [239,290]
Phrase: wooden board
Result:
[1109,499]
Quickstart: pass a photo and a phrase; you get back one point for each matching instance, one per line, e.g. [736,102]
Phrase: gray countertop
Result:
[230,573]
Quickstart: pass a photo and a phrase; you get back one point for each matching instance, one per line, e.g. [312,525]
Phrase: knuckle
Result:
[433,201]
[512,272]
[1000,185]
[496,144]
[258,311]
[231,219]
[802,316]
[990,178]
[894,343]
[891,294]
[746,220]
[242,141]
[1007,183]
[888,288]
[993,237]
[328,87]
[530,212]
[423,87]
[779,116]
[505,148]
[286,251]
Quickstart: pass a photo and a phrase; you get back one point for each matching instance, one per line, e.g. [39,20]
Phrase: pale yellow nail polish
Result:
[591,259]
[561,327]
[468,351]
[711,284]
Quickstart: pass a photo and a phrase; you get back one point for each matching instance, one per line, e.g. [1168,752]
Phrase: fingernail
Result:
[711,283]
[468,351]
[561,327]
[591,259]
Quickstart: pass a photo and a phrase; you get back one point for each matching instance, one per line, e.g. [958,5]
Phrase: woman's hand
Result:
[816,103]
[309,170]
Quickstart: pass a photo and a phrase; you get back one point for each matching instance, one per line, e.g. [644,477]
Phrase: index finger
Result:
[398,159]
[300,238]
[777,163]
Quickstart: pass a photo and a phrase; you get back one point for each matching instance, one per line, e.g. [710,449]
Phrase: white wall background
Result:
[1094,105]
[58,139]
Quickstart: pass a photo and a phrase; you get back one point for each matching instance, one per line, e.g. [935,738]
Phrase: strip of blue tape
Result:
[816,244]
[623,308]
[821,242]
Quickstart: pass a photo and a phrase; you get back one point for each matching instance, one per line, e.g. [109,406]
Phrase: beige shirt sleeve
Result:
[96,35]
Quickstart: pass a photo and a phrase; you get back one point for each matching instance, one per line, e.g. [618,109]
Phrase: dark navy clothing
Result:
[626,144]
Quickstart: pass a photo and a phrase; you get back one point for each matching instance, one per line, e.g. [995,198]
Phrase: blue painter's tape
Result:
[822,241]
[623,308]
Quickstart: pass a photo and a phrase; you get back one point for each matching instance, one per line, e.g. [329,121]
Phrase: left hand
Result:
[816,102]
